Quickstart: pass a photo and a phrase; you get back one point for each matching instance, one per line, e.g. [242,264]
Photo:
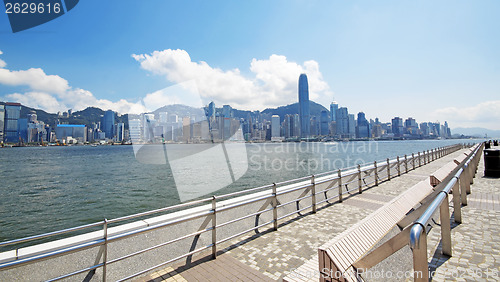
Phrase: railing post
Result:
[457,206]
[339,173]
[468,174]
[413,160]
[420,264]
[444,214]
[388,170]
[105,253]
[360,189]
[214,227]
[275,208]
[419,160]
[399,166]
[463,185]
[406,163]
[313,192]
[376,173]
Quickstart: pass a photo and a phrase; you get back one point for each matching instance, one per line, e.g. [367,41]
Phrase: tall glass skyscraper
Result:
[12,115]
[108,124]
[334,108]
[304,114]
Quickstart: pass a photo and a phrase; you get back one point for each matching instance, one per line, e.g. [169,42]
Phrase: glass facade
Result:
[12,114]
[304,113]
[108,124]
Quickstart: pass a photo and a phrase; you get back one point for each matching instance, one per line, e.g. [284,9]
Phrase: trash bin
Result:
[495,142]
[487,145]
[492,162]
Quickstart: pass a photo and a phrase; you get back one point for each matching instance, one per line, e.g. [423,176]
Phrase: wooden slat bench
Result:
[336,257]
[439,175]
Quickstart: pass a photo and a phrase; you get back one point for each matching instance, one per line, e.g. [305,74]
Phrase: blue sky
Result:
[432,60]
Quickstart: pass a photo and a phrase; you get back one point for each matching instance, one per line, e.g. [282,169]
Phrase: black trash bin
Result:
[495,142]
[492,162]
[487,145]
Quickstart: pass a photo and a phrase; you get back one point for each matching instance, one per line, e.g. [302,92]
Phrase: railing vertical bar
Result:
[275,208]
[339,173]
[313,194]
[105,253]
[214,227]
[360,189]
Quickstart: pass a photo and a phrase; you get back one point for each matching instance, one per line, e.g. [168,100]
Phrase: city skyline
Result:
[424,60]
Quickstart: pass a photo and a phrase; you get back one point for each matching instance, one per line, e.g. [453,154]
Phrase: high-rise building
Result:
[411,126]
[343,122]
[120,132]
[334,108]
[324,122]
[12,115]
[397,126]
[352,126]
[2,121]
[363,127]
[275,126]
[108,124]
[304,113]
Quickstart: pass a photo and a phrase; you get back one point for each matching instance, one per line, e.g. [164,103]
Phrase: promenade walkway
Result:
[476,241]
[271,255]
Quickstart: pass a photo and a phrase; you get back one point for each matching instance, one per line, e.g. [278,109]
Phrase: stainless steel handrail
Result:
[418,231]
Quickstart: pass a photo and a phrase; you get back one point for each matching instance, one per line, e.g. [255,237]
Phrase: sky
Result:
[430,60]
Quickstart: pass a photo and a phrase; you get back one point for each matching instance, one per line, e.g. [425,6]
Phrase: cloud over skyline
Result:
[53,93]
[273,82]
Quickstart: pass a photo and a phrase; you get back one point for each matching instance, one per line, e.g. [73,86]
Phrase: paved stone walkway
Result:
[272,255]
[476,241]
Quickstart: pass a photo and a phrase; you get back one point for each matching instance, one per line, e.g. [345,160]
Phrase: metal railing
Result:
[459,185]
[280,200]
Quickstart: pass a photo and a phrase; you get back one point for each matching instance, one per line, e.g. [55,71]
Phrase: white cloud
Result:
[274,83]
[53,93]
[485,114]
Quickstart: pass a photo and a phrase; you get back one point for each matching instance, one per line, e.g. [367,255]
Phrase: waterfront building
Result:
[275,126]
[334,108]
[163,117]
[186,130]
[76,131]
[12,115]
[227,111]
[343,122]
[120,132]
[2,121]
[108,124]
[411,127]
[352,126]
[22,129]
[304,113]
[324,123]
[314,126]
[397,127]
[363,127]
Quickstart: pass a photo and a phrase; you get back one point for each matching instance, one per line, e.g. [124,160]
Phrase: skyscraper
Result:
[304,114]
[275,126]
[12,115]
[108,124]
[324,120]
[363,127]
[397,126]
[334,108]
[343,123]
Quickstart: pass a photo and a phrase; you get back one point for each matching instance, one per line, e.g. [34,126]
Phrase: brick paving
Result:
[272,255]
